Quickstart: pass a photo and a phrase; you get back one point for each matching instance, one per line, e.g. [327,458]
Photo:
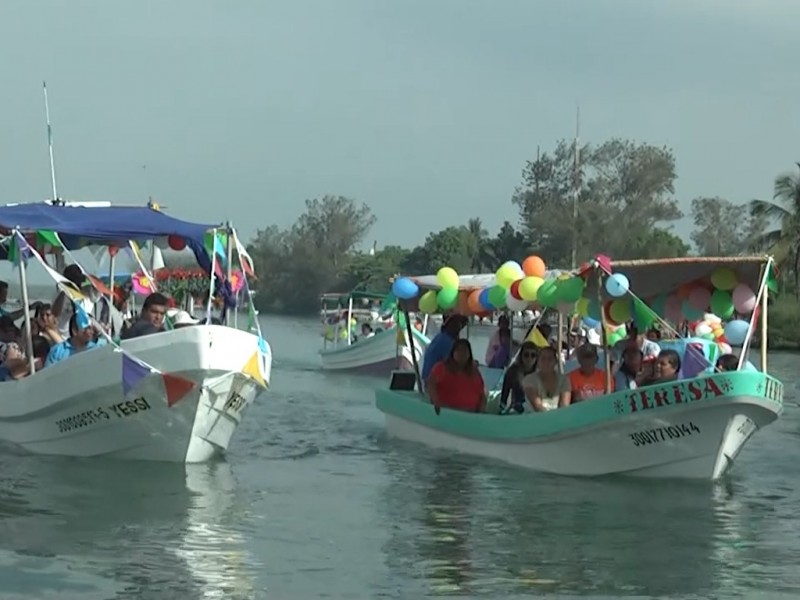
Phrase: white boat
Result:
[693,427]
[192,385]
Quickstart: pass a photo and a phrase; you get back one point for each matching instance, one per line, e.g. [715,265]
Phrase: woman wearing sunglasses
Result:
[524,365]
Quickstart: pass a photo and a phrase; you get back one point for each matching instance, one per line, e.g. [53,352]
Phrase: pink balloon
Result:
[673,309]
[700,298]
[744,299]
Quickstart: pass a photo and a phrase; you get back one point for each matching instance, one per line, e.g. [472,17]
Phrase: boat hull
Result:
[378,355]
[78,407]
[645,433]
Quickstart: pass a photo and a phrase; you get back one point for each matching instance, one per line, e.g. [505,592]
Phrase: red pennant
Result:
[177,388]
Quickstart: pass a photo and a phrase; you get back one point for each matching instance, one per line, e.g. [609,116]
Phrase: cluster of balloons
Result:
[711,328]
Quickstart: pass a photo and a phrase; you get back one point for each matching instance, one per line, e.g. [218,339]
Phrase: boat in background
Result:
[176,396]
[383,349]
[693,427]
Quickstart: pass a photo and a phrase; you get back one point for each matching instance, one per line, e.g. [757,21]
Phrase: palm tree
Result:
[783,242]
[478,245]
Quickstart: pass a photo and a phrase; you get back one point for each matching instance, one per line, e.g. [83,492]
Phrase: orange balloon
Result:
[533,266]
[474,302]
[463,304]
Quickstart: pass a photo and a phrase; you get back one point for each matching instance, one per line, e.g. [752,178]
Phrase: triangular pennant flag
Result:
[772,281]
[176,387]
[45,237]
[537,338]
[401,337]
[133,372]
[252,369]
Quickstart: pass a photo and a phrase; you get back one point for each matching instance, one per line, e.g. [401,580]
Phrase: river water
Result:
[313,501]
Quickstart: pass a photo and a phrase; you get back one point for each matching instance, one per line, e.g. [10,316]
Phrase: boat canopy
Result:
[79,226]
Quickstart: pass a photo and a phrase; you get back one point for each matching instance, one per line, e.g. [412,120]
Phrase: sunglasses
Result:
[529,355]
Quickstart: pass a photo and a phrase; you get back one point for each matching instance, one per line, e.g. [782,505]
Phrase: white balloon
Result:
[702,329]
[515,304]
[711,318]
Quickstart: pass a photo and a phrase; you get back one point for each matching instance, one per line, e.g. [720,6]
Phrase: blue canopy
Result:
[79,226]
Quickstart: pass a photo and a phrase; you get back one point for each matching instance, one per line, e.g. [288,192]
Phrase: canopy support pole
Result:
[349,318]
[560,342]
[23,282]
[414,362]
[764,325]
[606,349]
[229,253]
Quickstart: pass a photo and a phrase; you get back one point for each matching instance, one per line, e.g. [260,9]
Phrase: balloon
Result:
[642,315]
[724,278]
[699,298]
[702,329]
[721,304]
[512,264]
[690,312]
[744,299]
[590,323]
[736,332]
[463,304]
[447,277]
[533,266]
[497,296]
[529,288]
[427,302]
[484,298]
[514,289]
[570,290]
[176,242]
[404,288]
[447,297]
[516,304]
[505,276]
[582,307]
[593,309]
[673,309]
[620,311]
[474,301]
[614,337]
[617,285]
[548,294]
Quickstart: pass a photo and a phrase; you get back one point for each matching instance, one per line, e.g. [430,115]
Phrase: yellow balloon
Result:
[582,307]
[447,277]
[428,303]
[506,275]
[529,288]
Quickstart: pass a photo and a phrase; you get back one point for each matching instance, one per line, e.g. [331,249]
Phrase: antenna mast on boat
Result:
[576,186]
[50,141]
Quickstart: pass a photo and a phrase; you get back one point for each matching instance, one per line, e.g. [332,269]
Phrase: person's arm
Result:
[432,388]
[565,397]
[506,391]
[533,396]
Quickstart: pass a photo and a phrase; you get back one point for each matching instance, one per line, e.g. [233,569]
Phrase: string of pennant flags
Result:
[134,369]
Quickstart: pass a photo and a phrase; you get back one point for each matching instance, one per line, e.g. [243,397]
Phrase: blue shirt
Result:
[65,349]
[438,350]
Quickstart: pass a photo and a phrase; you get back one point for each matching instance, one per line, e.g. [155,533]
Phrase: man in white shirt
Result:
[650,350]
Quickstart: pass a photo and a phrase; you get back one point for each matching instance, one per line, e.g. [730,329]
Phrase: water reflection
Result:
[482,529]
[135,530]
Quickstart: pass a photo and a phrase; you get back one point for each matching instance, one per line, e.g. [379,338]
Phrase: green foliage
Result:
[723,228]
[782,323]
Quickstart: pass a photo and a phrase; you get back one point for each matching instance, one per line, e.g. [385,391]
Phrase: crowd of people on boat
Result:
[65,327]
[534,379]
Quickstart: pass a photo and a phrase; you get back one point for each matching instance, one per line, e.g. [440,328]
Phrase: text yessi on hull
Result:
[178,395]
[692,426]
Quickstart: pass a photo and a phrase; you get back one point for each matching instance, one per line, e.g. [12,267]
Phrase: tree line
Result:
[618,199]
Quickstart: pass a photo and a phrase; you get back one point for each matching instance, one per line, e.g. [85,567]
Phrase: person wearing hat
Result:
[587,381]
[441,345]
[63,308]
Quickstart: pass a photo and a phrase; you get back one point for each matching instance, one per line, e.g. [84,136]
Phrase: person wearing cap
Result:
[587,381]
[81,338]
[441,345]
[63,308]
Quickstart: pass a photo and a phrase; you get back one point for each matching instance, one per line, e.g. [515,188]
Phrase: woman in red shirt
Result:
[456,382]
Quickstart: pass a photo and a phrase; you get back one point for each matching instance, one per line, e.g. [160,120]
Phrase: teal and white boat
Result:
[693,427]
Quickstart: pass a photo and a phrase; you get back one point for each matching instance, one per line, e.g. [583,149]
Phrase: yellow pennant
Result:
[537,338]
[253,369]
[401,337]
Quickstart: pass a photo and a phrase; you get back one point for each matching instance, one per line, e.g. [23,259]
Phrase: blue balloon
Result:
[483,298]
[736,332]
[404,288]
[617,285]
[590,323]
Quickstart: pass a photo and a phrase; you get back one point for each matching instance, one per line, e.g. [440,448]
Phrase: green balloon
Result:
[722,304]
[570,290]
[447,297]
[548,294]
[643,315]
[428,301]
[497,296]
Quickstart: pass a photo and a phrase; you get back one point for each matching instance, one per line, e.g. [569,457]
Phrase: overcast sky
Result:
[426,110]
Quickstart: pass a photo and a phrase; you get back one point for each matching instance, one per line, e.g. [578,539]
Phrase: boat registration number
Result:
[86,418]
[661,434]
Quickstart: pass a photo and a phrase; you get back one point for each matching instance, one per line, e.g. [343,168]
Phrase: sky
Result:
[425,110]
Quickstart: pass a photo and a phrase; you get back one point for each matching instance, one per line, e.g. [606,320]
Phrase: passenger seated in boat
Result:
[442,344]
[629,376]
[727,362]
[649,348]
[15,363]
[456,382]
[46,324]
[587,381]
[502,354]
[181,318]
[524,365]
[547,388]
[494,342]
[151,319]
[82,337]
[366,330]
[667,366]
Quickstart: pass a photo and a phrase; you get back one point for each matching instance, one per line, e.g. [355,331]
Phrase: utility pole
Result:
[576,185]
